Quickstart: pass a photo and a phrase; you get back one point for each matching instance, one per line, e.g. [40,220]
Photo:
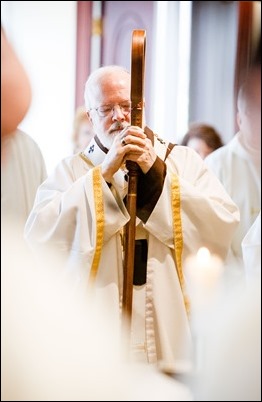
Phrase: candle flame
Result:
[203,256]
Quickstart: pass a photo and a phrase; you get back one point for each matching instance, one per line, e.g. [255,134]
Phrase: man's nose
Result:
[118,114]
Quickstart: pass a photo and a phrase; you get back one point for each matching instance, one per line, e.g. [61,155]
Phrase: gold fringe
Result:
[100,219]
[85,158]
[178,236]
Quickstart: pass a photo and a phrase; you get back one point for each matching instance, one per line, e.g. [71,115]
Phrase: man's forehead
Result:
[111,84]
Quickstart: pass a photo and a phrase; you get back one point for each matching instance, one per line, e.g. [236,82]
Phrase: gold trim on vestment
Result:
[178,236]
[84,157]
[99,212]
[100,218]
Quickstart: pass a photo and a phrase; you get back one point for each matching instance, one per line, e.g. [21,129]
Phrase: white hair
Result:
[97,75]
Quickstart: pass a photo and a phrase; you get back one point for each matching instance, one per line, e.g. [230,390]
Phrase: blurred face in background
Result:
[200,146]
[84,135]
[83,130]
[203,138]
[249,109]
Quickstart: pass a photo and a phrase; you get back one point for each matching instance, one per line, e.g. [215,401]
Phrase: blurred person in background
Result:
[238,164]
[23,166]
[232,357]
[83,130]
[231,369]
[23,170]
[56,347]
[15,89]
[251,244]
[203,138]
[251,248]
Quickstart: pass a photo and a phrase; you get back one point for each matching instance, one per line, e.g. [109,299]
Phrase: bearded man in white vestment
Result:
[63,351]
[238,164]
[80,211]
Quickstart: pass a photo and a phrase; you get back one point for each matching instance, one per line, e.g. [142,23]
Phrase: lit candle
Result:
[202,273]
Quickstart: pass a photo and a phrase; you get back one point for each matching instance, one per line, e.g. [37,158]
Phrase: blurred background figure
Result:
[23,166]
[203,138]
[251,244]
[251,248]
[15,89]
[232,359]
[65,350]
[23,170]
[83,130]
[238,164]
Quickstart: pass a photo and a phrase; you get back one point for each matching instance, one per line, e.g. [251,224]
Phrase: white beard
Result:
[108,139]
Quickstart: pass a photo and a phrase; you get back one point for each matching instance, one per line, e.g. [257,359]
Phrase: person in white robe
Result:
[22,164]
[238,166]
[251,247]
[231,370]
[23,170]
[53,347]
[80,211]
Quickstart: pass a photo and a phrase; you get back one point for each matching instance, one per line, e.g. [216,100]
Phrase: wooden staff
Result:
[137,100]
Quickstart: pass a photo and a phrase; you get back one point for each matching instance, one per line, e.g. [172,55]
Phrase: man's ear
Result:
[89,116]
[238,119]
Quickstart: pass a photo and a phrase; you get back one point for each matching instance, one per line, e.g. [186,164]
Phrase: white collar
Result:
[94,153]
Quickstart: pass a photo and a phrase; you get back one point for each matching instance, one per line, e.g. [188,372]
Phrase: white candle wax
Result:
[202,274]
